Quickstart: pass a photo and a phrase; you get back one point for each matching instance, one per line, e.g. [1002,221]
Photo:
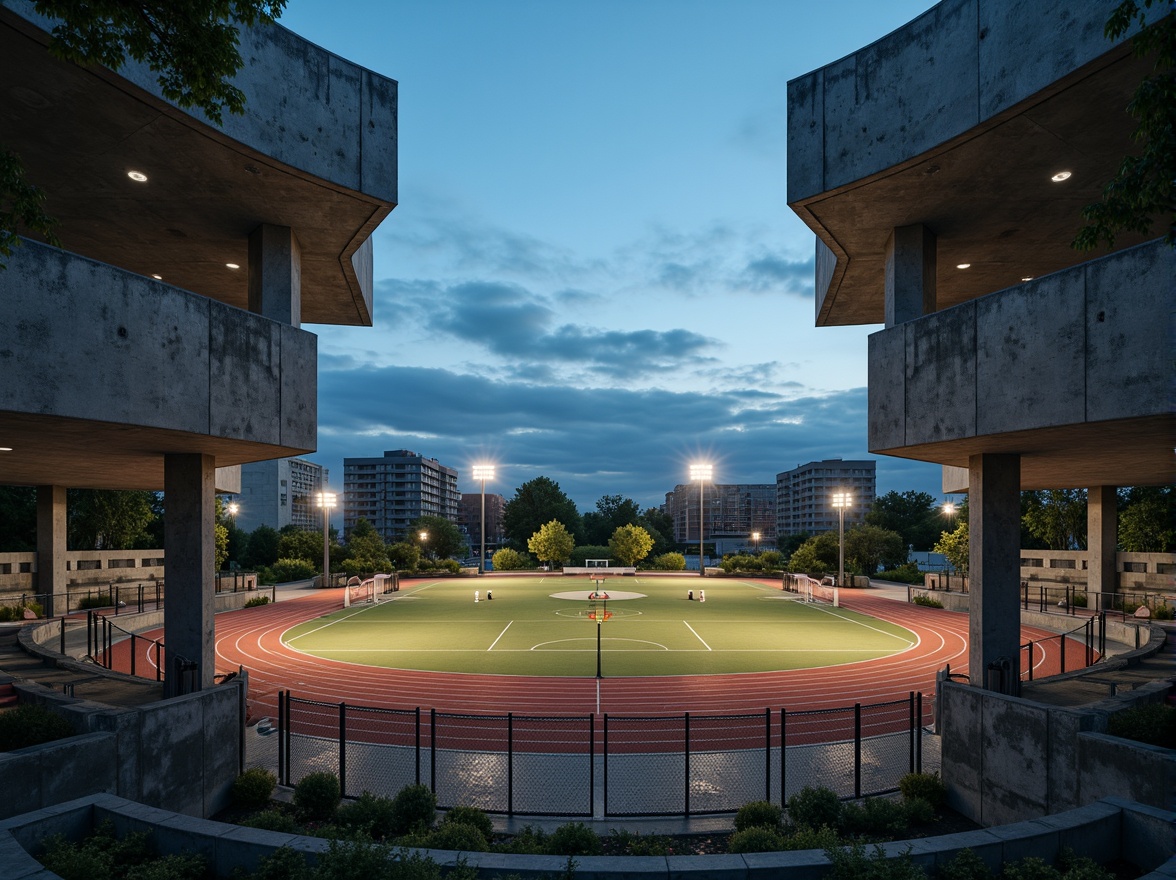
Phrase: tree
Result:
[915,516]
[297,543]
[366,552]
[612,512]
[18,519]
[507,559]
[404,556]
[817,555]
[445,538]
[583,552]
[190,46]
[954,546]
[536,502]
[660,526]
[1056,516]
[789,544]
[261,550]
[107,519]
[552,544]
[1147,522]
[630,544]
[1141,191]
[868,547]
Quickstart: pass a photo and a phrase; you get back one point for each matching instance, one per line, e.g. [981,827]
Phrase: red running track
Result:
[251,638]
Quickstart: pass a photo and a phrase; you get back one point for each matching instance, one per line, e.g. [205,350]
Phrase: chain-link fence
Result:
[619,765]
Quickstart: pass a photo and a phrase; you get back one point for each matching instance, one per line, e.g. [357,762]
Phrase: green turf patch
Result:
[741,627]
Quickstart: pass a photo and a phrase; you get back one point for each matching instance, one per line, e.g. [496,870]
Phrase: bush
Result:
[853,863]
[102,600]
[455,836]
[413,809]
[907,573]
[317,796]
[815,807]
[759,814]
[927,601]
[668,562]
[1078,600]
[1163,611]
[530,841]
[368,814]
[966,865]
[740,562]
[759,838]
[631,843]
[812,838]
[470,816]
[510,560]
[874,817]
[30,725]
[1154,724]
[919,811]
[257,600]
[273,820]
[104,856]
[1082,868]
[286,570]
[253,789]
[1031,868]
[574,839]
[927,786]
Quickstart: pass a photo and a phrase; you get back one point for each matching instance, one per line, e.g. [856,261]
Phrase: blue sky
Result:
[593,274]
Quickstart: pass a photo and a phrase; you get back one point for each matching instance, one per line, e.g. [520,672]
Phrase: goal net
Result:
[359,591]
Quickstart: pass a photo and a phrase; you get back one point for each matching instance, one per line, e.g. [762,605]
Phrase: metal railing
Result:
[679,765]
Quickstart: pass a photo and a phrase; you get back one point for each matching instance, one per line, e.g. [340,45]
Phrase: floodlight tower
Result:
[483,472]
[326,500]
[702,473]
[841,500]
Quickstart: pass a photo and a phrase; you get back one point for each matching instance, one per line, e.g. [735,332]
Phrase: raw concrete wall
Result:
[1007,759]
[959,65]
[170,359]
[1046,353]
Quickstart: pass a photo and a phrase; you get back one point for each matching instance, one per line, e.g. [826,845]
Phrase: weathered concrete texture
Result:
[1015,740]
[189,523]
[886,405]
[910,274]
[51,543]
[994,569]
[299,389]
[939,387]
[1102,538]
[58,771]
[275,274]
[1130,324]
[1118,768]
[1030,353]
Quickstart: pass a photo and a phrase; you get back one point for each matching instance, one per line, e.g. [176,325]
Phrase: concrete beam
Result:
[994,632]
[1102,539]
[910,274]
[275,274]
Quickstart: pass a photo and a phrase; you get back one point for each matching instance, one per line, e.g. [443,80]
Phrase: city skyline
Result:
[592,274]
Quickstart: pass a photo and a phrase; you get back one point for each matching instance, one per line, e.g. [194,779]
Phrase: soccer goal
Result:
[359,591]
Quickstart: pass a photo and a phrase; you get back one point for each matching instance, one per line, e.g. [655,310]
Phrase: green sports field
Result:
[540,626]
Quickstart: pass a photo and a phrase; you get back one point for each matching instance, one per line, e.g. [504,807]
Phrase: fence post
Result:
[857,750]
[433,750]
[686,756]
[768,755]
[605,749]
[63,635]
[510,763]
[342,750]
[1030,646]
[132,653]
[591,764]
[1063,638]
[1102,634]
[418,745]
[919,732]
[283,727]
[1025,594]
[913,725]
[783,752]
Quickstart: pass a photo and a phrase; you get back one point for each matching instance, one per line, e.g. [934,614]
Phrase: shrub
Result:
[1153,723]
[1031,868]
[30,725]
[907,573]
[282,864]
[1078,600]
[530,841]
[927,601]
[317,796]
[1163,611]
[805,837]
[286,570]
[273,820]
[668,562]
[919,811]
[574,839]
[509,560]
[101,600]
[368,814]
[740,562]
[257,600]
[631,843]
[815,807]
[253,788]
[413,809]
[1082,868]
[759,838]
[456,836]
[927,786]
[875,817]
[966,865]
[853,863]
[470,816]
[759,814]
[103,856]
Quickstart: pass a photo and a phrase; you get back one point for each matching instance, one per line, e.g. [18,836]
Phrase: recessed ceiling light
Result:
[233,265]
[157,277]
[1060,176]
[1026,277]
[5,449]
[137,176]
[963,265]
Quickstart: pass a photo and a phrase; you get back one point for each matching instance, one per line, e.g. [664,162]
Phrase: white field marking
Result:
[697,636]
[593,641]
[325,625]
[500,635]
[866,625]
[331,651]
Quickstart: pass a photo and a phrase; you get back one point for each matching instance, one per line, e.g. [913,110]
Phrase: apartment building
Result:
[393,490]
[804,495]
[731,514]
[279,493]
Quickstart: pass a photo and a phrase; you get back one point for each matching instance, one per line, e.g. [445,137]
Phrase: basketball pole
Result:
[598,675]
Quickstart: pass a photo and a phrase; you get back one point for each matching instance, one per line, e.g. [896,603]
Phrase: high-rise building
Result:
[280,492]
[804,495]
[731,513]
[395,489]
[469,517]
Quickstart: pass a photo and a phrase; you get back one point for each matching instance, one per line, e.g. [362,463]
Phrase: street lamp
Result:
[424,537]
[233,508]
[841,500]
[326,500]
[949,510]
[755,536]
[483,472]
[702,473]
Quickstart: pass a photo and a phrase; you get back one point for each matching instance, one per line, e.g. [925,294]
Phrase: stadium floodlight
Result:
[702,473]
[841,500]
[755,536]
[233,508]
[326,500]
[483,472]
[424,536]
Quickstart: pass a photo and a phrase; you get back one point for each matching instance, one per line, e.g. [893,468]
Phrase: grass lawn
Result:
[528,629]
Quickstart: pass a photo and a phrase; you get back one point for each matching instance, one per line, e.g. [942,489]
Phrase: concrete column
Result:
[1102,543]
[51,546]
[275,274]
[994,568]
[190,558]
[910,274]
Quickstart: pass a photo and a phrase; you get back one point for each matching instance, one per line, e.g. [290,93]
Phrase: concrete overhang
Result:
[960,125]
[315,151]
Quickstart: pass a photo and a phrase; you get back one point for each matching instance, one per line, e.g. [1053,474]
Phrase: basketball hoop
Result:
[598,611]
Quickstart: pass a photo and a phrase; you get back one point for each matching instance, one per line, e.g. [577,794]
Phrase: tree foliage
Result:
[869,547]
[1147,522]
[296,543]
[445,538]
[630,544]
[108,519]
[954,546]
[552,544]
[22,206]
[612,512]
[404,556]
[1056,517]
[660,526]
[1141,192]
[261,550]
[915,516]
[365,550]
[535,503]
[507,559]
[816,555]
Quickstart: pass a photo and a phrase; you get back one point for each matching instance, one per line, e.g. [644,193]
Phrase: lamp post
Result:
[326,500]
[424,538]
[841,500]
[483,472]
[702,473]
[755,536]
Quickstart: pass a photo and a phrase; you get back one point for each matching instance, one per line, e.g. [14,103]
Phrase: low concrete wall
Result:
[1109,830]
